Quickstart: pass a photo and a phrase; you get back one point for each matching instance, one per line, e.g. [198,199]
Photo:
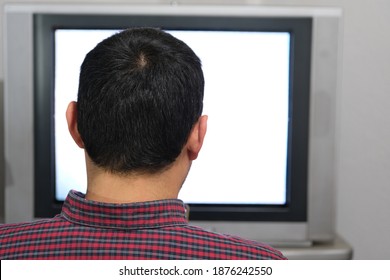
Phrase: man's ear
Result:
[71,118]
[195,140]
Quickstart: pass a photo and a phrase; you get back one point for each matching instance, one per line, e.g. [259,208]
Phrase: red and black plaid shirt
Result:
[151,230]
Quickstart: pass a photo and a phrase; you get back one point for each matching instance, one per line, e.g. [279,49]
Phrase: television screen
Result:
[253,165]
[244,157]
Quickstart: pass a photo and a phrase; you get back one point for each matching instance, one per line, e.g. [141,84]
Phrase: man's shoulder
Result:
[234,246]
[11,228]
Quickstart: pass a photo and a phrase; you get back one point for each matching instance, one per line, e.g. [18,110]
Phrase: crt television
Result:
[271,82]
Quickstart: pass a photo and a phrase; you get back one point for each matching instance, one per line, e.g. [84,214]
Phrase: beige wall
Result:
[363,136]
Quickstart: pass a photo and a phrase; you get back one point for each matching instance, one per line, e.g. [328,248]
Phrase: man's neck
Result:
[109,187]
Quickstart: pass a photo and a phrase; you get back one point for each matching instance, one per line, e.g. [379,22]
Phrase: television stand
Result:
[338,249]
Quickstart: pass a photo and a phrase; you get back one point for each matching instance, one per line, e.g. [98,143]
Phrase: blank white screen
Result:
[244,156]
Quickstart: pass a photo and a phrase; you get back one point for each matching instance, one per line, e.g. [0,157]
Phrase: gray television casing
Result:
[325,86]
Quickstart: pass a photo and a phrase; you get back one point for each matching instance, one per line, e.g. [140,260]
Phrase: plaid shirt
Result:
[148,230]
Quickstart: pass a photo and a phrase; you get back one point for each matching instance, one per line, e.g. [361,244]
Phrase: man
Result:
[138,118]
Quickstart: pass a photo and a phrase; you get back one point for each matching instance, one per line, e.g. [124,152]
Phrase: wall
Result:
[364,138]
[363,120]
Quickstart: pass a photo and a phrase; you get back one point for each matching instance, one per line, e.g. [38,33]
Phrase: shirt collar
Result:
[151,214]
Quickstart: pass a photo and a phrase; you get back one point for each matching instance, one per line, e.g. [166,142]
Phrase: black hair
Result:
[140,93]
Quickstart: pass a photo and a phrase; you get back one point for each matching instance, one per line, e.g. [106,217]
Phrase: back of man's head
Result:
[140,93]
